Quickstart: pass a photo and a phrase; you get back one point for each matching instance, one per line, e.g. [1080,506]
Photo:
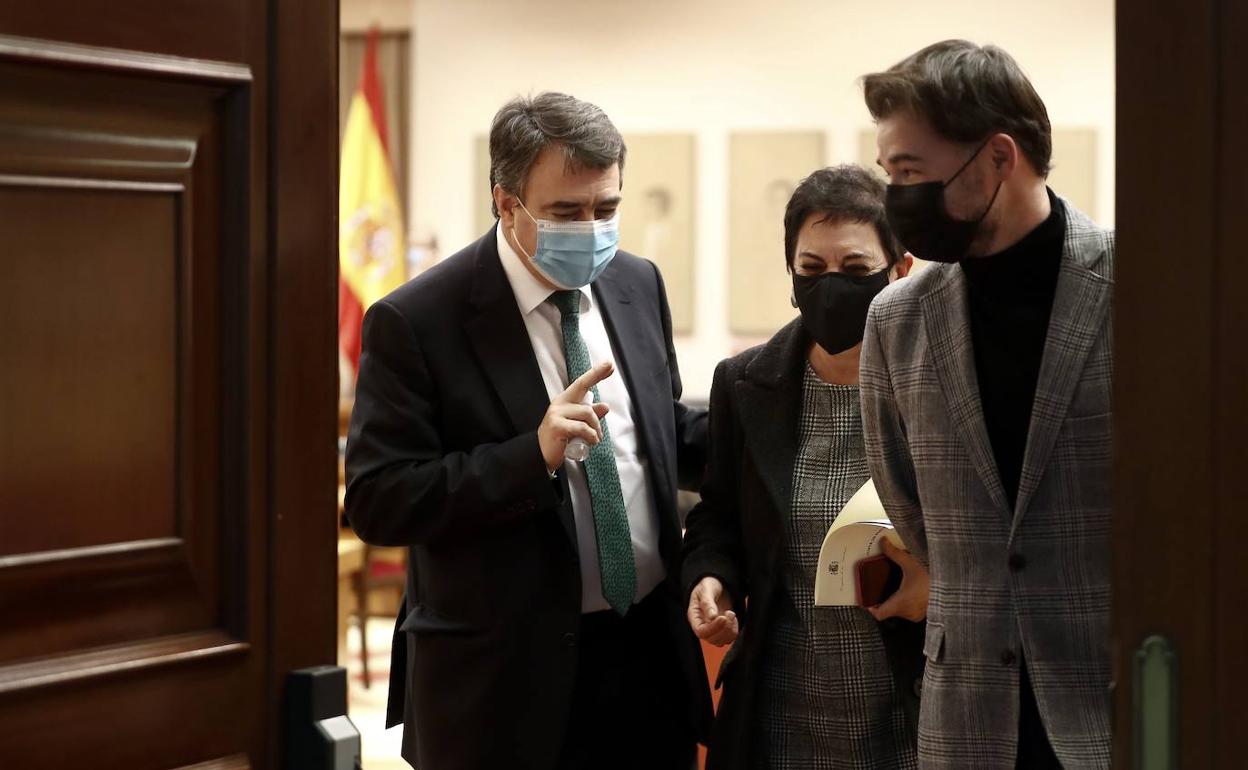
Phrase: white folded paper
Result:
[854,536]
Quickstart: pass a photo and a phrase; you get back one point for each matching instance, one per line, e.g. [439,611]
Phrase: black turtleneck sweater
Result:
[1010,295]
[1009,298]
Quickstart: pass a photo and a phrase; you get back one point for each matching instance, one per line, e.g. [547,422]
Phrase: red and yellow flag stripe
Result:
[371,241]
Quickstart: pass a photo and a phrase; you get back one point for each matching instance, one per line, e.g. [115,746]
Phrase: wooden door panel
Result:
[1230,335]
[167,377]
[135,566]
[205,708]
[1182,375]
[107,407]
[236,762]
[199,29]
[113,193]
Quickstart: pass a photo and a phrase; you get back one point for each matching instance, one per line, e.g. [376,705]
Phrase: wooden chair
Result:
[376,574]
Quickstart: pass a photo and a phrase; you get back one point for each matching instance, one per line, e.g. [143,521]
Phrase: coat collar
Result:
[635,359]
[770,395]
[1079,314]
[640,348]
[781,358]
[499,336]
[500,339]
[946,319]
[1079,311]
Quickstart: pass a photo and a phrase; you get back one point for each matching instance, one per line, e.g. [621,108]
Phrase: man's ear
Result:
[903,266]
[1004,153]
[506,206]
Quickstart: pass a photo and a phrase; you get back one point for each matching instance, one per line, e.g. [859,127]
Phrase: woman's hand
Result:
[910,600]
[710,613]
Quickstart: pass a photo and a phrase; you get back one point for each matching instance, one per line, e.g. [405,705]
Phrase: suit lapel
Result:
[769,419]
[770,398]
[615,303]
[501,341]
[949,334]
[637,358]
[1075,323]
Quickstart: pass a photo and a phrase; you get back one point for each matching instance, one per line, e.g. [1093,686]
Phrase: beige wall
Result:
[711,67]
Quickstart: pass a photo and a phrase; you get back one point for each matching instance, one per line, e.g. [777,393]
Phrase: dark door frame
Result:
[302,338]
[1181,381]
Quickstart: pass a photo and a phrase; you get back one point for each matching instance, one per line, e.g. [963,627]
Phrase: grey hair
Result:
[525,125]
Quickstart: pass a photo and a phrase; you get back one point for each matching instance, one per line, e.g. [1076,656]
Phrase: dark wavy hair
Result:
[966,92]
[846,193]
[525,125]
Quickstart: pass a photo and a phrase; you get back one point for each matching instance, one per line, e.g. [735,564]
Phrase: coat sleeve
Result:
[691,423]
[888,449]
[403,488]
[713,542]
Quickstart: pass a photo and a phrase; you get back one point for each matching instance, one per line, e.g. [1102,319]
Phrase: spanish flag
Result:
[371,244]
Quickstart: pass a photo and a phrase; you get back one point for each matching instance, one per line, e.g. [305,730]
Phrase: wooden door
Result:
[1181,378]
[167,376]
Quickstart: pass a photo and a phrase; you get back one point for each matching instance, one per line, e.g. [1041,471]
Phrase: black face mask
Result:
[918,216]
[834,306]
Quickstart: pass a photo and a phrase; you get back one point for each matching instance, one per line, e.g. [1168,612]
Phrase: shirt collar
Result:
[530,292]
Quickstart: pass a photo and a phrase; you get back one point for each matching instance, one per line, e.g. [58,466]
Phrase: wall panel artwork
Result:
[763,170]
[656,218]
[483,215]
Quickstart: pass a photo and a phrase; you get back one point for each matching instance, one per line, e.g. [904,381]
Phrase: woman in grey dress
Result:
[803,687]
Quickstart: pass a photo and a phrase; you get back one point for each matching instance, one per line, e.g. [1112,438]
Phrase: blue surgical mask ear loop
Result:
[516,235]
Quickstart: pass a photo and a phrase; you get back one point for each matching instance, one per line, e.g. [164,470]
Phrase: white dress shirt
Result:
[543,322]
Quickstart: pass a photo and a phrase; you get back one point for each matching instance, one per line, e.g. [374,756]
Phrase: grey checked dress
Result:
[826,695]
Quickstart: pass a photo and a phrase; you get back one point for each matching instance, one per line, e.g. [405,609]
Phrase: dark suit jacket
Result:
[736,532]
[443,457]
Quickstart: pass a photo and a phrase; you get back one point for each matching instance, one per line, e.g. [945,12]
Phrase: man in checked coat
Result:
[986,386]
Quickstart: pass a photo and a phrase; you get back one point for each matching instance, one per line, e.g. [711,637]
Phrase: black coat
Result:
[736,533]
[443,457]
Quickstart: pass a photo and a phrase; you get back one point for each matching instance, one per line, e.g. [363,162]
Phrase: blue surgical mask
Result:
[573,254]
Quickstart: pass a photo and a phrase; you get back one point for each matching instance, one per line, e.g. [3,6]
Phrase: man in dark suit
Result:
[543,626]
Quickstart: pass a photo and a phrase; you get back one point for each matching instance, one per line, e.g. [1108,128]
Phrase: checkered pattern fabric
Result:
[827,698]
[1032,581]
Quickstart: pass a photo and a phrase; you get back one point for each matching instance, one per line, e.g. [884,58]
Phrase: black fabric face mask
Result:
[834,306]
[918,216]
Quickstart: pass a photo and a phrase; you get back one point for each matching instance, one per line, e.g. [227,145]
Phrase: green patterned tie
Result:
[615,542]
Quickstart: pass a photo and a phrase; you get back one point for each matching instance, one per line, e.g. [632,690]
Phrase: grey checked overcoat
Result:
[1032,581]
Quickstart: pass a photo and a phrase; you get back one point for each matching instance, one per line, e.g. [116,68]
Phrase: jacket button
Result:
[1017,562]
[1008,658]
[569,640]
